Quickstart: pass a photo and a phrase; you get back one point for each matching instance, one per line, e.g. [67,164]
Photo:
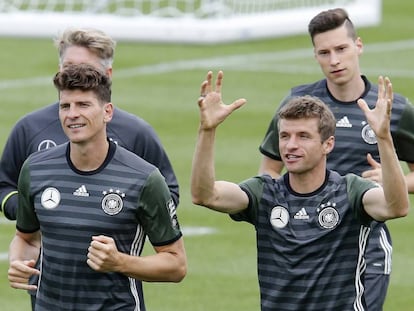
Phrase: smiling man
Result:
[312,224]
[90,204]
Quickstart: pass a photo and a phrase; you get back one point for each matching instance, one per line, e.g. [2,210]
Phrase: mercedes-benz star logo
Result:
[50,198]
[279,217]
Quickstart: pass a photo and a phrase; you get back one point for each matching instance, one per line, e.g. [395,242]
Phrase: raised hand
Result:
[379,117]
[212,109]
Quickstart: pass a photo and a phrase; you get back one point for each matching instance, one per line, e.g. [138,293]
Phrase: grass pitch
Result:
[161,84]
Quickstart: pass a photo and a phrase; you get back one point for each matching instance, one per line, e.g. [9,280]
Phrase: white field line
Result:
[258,62]
[5,221]
[4,256]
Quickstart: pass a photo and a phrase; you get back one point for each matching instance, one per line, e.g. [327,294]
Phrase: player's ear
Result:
[359,45]
[109,72]
[329,144]
[108,112]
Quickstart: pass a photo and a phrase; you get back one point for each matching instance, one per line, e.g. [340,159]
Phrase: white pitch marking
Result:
[247,62]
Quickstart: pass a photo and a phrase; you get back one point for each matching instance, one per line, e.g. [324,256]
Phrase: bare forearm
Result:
[272,167]
[164,266]
[20,249]
[409,178]
[203,171]
[394,181]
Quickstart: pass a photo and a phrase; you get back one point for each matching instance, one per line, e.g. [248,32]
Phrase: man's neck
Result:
[88,157]
[307,182]
[348,92]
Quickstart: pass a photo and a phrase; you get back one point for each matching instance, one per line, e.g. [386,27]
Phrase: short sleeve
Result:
[157,211]
[26,219]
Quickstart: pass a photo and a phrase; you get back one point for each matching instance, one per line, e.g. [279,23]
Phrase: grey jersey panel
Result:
[310,247]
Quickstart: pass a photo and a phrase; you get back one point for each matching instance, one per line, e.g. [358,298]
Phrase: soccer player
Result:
[312,224]
[41,129]
[337,49]
[91,204]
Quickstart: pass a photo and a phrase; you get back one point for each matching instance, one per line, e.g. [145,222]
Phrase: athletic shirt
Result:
[126,199]
[41,129]
[310,246]
[353,140]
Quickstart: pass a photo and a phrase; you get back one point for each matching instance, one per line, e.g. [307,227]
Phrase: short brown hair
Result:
[308,107]
[329,20]
[94,40]
[84,77]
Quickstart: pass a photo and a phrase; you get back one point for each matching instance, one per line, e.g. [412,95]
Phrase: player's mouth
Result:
[75,126]
[292,157]
[337,72]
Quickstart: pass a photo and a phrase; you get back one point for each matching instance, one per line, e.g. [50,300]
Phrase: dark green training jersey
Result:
[310,247]
[354,139]
[126,199]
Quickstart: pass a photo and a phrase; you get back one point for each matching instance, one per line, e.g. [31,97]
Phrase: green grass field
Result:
[161,84]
